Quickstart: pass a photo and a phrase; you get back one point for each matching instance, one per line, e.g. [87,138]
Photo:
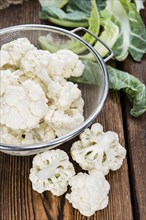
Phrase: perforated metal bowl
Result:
[94,95]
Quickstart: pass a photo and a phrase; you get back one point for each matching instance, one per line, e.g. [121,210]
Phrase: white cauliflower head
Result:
[89,192]
[64,95]
[37,62]
[17,49]
[23,106]
[66,63]
[98,150]
[63,122]
[51,171]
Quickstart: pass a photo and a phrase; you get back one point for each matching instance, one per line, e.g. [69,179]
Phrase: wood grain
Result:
[135,129]
[17,199]
[135,136]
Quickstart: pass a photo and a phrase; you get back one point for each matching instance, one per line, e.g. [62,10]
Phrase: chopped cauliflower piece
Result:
[45,132]
[78,104]
[23,106]
[17,49]
[37,62]
[63,122]
[5,58]
[63,95]
[89,192]
[7,136]
[17,137]
[7,78]
[41,134]
[98,150]
[66,63]
[29,75]
[29,138]
[51,171]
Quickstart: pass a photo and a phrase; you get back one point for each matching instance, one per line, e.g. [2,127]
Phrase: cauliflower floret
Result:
[16,137]
[23,106]
[98,150]
[51,171]
[17,49]
[7,136]
[66,63]
[63,122]
[78,104]
[37,62]
[41,134]
[29,138]
[29,75]
[89,193]
[45,132]
[64,95]
[7,78]
[5,58]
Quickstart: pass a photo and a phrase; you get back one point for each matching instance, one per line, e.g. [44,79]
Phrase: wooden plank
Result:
[17,199]
[20,14]
[136,139]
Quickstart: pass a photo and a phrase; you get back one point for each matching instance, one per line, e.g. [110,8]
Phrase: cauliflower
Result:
[88,192]
[98,150]
[5,58]
[63,122]
[7,78]
[30,137]
[51,171]
[66,63]
[45,132]
[78,104]
[29,75]
[63,95]
[23,106]
[17,49]
[41,134]
[66,109]
[37,102]
[7,136]
[37,62]
[16,137]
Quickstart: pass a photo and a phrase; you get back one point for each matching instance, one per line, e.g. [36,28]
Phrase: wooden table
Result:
[127,198]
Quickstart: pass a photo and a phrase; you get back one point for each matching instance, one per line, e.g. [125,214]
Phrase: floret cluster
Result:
[96,152]
[37,102]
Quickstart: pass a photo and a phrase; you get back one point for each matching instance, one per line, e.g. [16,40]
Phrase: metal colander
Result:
[93,95]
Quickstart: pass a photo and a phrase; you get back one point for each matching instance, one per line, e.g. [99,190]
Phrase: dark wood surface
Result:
[127,198]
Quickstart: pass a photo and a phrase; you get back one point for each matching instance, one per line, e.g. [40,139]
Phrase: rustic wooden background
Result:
[127,198]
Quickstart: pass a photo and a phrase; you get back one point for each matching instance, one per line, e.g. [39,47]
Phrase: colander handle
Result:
[111,54]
